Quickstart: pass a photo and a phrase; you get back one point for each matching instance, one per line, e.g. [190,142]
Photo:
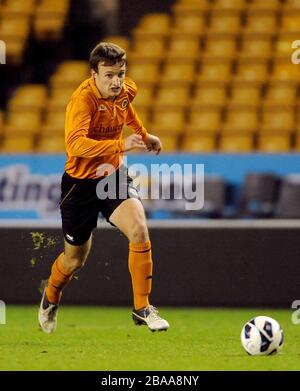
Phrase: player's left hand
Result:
[153,143]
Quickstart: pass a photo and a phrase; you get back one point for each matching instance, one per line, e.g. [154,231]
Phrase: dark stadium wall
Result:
[231,267]
[130,11]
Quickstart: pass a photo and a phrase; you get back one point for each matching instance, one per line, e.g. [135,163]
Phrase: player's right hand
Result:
[134,141]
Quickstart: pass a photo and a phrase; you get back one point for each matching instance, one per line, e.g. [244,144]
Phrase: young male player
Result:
[95,116]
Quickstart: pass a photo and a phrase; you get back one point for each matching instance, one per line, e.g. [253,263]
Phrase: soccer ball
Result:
[262,336]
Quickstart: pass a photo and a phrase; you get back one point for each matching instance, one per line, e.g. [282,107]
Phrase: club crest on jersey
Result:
[102,108]
[124,103]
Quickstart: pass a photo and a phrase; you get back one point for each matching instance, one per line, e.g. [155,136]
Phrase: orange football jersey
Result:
[94,125]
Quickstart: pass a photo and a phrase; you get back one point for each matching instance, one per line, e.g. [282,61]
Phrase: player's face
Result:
[110,79]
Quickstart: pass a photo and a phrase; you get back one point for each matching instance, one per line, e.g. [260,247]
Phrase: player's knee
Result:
[139,232]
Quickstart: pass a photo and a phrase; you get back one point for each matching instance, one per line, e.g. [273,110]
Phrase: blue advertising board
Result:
[30,184]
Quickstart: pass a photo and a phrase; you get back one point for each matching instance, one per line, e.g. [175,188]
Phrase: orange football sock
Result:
[58,279]
[140,267]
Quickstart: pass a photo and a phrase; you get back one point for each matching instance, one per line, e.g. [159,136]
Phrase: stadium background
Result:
[217,84]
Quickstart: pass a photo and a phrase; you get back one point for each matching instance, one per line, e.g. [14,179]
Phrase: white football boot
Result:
[149,316]
[47,315]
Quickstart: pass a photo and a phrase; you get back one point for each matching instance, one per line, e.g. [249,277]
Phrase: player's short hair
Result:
[108,54]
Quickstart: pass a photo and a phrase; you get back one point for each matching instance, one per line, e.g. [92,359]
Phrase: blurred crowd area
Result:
[264,195]
[213,75]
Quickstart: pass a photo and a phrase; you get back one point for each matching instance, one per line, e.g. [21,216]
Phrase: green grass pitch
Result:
[97,338]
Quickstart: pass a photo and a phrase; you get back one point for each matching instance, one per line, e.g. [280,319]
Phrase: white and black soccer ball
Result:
[262,336]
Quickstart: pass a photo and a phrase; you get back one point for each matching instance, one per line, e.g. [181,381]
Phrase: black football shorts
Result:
[83,199]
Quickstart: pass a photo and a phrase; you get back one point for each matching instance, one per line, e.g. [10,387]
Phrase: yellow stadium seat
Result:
[50,19]
[178,72]
[214,69]
[283,46]
[274,130]
[173,95]
[274,143]
[38,91]
[222,45]
[278,117]
[209,94]
[143,71]
[293,5]
[144,114]
[235,143]
[55,123]
[51,144]
[252,70]
[153,23]
[189,24]
[14,49]
[70,74]
[169,143]
[168,121]
[200,4]
[119,40]
[181,44]
[290,22]
[190,7]
[17,8]
[283,71]
[140,34]
[233,129]
[18,144]
[261,22]
[245,94]
[297,143]
[241,118]
[230,4]
[281,93]
[265,5]
[258,45]
[22,123]
[58,81]
[53,6]
[28,97]
[14,33]
[49,27]
[298,115]
[150,48]
[144,97]
[205,143]
[59,99]
[12,27]
[204,120]
[73,67]
[223,21]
